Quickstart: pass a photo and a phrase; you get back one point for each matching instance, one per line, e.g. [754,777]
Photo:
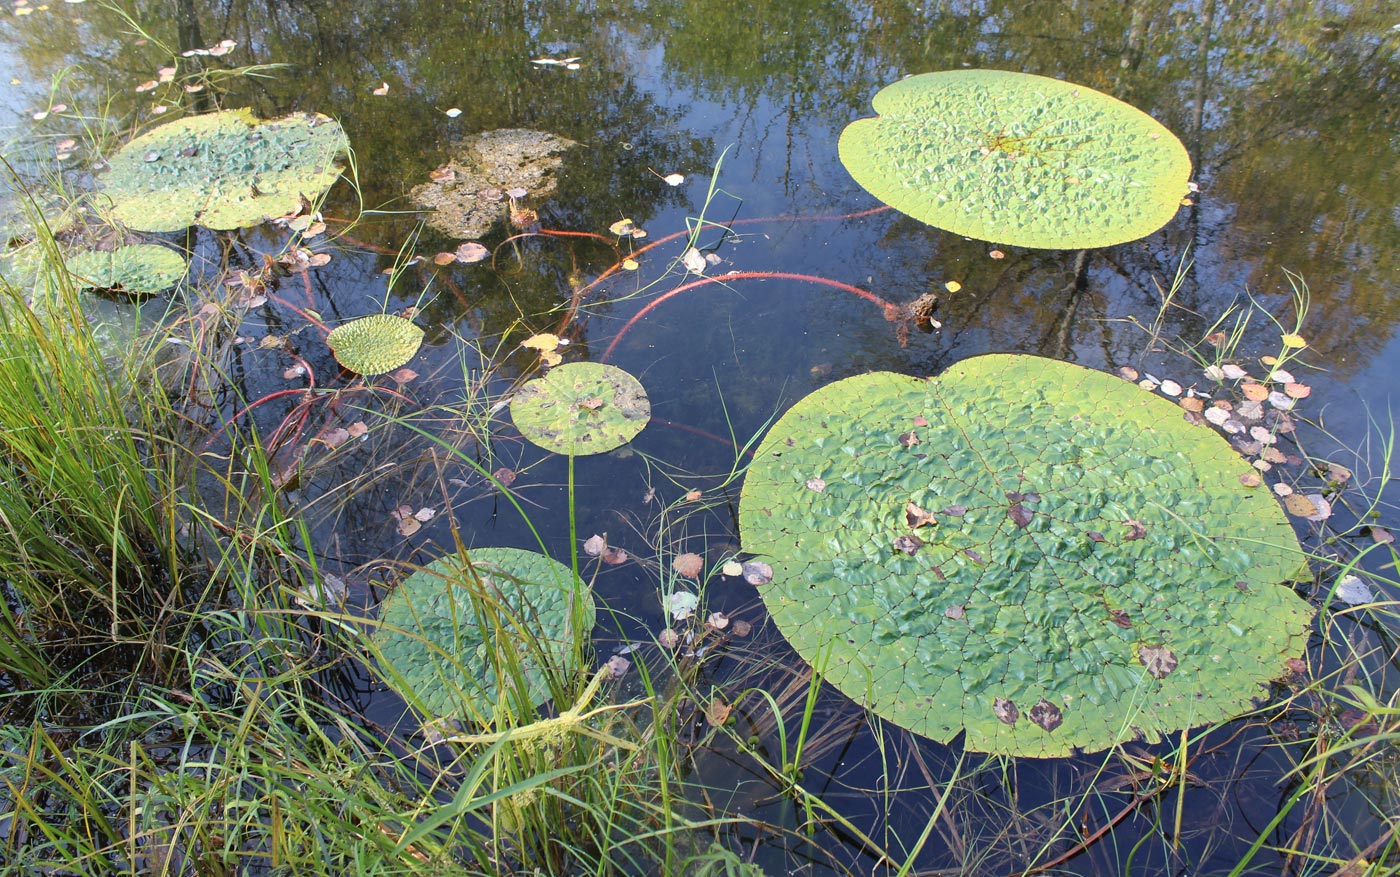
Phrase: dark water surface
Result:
[1290,111]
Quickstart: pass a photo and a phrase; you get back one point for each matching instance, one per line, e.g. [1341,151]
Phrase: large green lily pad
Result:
[1018,159]
[223,170]
[581,408]
[432,637]
[1042,555]
[142,269]
[376,344]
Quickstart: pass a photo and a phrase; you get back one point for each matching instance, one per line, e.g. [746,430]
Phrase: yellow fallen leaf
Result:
[630,265]
[1294,341]
[952,286]
[543,342]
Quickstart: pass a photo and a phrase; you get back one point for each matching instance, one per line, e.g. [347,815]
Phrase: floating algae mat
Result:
[471,193]
[1044,556]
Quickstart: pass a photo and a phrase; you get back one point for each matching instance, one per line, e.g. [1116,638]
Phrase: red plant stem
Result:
[751,221]
[871,297]
[1087,842]
[304,314]
[695,430]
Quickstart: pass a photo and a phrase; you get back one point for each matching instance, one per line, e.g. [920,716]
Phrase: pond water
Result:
[1290,111]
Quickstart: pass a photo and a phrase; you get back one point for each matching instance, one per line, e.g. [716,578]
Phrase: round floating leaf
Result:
[223,170]
[1084,567]
[140,268]
[376,344]
[581,408]
[1018,159]
[441,629]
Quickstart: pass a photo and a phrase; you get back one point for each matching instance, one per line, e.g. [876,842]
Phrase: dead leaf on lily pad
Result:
[916,517]
[1046,715]
[1005,711]
[1159,660]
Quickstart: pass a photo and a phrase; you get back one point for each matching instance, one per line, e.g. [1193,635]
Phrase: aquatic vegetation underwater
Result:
[1061,612]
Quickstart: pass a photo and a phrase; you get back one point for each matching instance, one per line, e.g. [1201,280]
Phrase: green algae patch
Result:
[1038,554]
[223,170]
[1018,159]
[581,408]
[376,344]
[441,629]
[140,269]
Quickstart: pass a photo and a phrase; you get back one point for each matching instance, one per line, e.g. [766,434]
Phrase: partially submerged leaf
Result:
[142,269]
[223,170]
[432,642]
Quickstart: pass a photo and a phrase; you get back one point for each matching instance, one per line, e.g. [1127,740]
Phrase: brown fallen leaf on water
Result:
[470,252]
[444,258]
[614,556]
[688,565]
[595,545]
[717,713]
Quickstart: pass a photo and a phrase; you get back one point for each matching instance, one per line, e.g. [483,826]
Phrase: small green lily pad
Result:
[142,269]
[376,344]
[1018,159]
[432,636]
[581,408]
[223,170]
[1041,555]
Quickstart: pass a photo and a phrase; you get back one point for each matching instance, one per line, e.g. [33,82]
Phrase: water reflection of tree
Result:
[1286,110]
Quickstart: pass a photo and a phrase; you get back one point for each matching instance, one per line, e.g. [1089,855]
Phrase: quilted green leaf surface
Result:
[432,637]
[376,344]
[223,170]
[139,268]
[1018,159]
[1043,555]
[581,408]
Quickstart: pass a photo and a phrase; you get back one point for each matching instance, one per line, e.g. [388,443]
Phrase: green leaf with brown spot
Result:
[581,408]
[1128,556]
